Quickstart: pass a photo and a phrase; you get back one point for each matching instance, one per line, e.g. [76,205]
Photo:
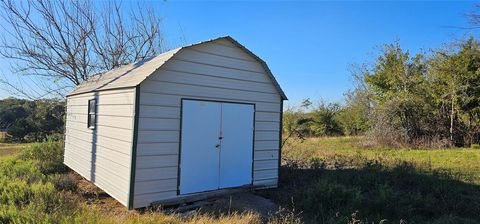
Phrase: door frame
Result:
[180,139]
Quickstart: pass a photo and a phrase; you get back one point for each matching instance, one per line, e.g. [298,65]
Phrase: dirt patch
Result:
[245,202]
[234,203]
[91,195]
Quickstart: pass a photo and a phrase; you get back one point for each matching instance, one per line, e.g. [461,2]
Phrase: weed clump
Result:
[27,193]
[48,155]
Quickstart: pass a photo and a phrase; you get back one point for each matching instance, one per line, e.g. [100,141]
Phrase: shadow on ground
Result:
[399,193]
[367,193]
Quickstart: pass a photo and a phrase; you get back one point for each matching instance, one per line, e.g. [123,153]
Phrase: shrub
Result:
[475,146]
[48,155]
[12,214]
[29,185]
[17,168]
[63,182]
[14,192]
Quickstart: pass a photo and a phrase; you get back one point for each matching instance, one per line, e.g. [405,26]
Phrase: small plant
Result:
[317,164]
[64,182]
[475,146]
[285,216]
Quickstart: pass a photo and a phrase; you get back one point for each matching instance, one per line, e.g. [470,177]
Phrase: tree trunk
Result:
[452,113]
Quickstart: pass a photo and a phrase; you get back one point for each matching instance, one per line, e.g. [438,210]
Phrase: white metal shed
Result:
[192,120]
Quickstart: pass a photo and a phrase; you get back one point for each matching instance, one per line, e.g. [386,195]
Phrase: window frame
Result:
[92,112]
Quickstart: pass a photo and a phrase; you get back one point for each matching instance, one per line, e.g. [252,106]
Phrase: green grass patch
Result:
[464,161]
[337,180]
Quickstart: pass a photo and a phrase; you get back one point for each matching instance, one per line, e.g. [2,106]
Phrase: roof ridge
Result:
[98,84]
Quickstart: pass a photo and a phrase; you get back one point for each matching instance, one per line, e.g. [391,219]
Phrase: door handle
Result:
[217,146]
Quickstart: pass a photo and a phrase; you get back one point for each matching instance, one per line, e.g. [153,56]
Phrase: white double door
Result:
[216,145]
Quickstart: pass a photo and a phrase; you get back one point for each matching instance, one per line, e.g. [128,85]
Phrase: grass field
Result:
[463,161]
[337,180]
[10,149]
[323,180]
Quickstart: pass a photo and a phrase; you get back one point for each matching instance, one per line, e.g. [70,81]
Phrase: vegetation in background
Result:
[26,120]
[427,99]
[3,135]
[404,101]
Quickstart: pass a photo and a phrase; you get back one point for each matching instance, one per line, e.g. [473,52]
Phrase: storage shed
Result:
[190,121]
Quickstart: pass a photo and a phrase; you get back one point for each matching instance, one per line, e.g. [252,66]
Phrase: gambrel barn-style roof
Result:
[133,74]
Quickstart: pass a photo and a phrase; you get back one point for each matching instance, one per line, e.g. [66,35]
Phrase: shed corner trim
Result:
[131,193]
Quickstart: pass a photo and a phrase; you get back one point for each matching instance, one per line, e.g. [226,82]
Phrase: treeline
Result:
[424,100]
[28,121]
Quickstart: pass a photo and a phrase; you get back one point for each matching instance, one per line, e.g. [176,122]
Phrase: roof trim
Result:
[170,54]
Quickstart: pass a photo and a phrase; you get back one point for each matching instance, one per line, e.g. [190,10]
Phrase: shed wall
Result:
[217,70]
[102,155]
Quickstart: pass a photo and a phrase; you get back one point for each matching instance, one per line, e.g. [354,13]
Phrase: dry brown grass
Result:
[7,149]
[95,206]
[2,136]
[94,214]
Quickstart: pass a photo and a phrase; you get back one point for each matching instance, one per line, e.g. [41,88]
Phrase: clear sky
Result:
[310,46]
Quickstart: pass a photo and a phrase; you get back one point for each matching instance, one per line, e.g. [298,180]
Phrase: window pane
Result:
[91,120]
[91,106]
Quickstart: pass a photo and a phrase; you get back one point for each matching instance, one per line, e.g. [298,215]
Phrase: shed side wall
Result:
[102,155]
[213,71]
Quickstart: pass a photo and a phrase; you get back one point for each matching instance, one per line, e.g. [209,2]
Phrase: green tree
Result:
[323,120]
[20,129]
[354,116]
[399,87]
[31,120]
[455,78]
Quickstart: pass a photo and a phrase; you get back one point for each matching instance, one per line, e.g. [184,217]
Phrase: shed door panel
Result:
[236,152]
[199,166]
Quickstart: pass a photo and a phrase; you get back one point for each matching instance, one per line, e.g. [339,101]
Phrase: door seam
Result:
[220,149]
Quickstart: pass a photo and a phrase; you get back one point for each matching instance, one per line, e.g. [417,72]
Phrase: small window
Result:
[92,111]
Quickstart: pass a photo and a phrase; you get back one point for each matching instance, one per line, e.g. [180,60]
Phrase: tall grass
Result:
[328,180]
[35,187]
[27,193]
[336,180]
[2,136]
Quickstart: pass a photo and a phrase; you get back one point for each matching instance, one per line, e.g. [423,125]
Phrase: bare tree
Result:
[474,17]
[60,44]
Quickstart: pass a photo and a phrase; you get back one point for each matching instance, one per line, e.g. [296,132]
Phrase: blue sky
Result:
[310,46]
